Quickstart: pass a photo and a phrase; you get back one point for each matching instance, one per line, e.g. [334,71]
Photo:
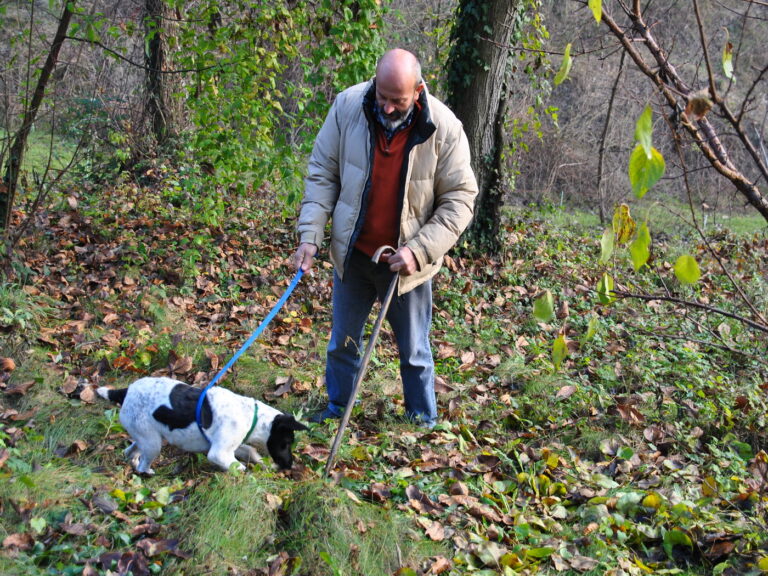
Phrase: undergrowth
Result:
[644,452]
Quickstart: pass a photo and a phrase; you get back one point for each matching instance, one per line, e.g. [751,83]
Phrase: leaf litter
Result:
[532,470]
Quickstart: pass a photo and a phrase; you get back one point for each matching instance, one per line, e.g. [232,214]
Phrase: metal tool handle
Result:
[364,365]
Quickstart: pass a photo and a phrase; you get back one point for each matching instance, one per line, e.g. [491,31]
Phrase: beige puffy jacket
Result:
[439,184]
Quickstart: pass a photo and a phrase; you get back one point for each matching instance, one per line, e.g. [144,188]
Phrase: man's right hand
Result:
[305,256]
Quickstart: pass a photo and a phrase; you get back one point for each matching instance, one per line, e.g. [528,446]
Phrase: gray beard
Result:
[393,124]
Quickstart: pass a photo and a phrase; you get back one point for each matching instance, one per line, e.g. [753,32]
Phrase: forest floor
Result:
[588,438]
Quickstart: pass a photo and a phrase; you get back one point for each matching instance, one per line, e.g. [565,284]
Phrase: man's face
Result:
[395,99]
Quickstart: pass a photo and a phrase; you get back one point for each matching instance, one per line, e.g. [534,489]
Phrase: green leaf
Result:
[163,496]
[594,324]
[544,307]
[91,34]
[606,246]
[687,269]
[640,249]
[674,538]
[597,9]
[559,351]
[605,290]
[644,130]
[539,553]
[565,66]
[644,172]
[625,453]
[763,563]
[38,524]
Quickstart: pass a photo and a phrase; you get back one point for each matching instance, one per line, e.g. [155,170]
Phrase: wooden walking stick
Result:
[366,359]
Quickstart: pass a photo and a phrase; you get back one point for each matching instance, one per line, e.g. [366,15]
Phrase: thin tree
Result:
[158,29]
[16,154]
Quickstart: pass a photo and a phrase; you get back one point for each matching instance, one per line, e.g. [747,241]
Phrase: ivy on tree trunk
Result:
[478,72]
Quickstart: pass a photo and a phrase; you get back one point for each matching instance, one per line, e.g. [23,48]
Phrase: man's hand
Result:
[305,256]
[402,261]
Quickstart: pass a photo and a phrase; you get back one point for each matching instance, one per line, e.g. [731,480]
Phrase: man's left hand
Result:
[403,261]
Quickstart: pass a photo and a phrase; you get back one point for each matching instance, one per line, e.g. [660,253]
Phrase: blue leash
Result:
[244,347]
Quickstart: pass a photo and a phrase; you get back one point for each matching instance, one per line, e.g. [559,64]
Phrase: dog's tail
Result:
[116,396]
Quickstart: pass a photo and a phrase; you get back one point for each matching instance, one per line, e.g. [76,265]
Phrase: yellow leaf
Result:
[652,500]
[597,9]
[565,66]
[709,487]
[623,224]
[552,461]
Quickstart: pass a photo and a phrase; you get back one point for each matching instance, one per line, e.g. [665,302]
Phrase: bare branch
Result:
[692,304]
[703,133]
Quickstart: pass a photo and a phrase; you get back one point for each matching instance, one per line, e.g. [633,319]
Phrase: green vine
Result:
[267,75]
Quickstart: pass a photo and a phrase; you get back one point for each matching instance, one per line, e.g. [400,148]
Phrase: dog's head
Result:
[281,439]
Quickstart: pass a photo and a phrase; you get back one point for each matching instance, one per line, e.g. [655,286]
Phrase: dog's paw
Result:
[236,468]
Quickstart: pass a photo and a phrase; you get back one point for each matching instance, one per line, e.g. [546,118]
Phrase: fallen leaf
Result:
[7,365]
[420,501]
[284,385]
[213,359]
[75,448]
[21,541]
[630,413]
[23,416]
[440,565]
[147,529]
[432,528]
[459,488]
[436,532]
[77,529]
[274,502]
[179,364]
[566,391]
[378,492]
[152,547]
[19,389]
[88,395]
[69,385]
[104,503]
[583,563]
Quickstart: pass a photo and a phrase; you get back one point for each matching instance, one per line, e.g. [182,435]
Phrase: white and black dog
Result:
[239,428]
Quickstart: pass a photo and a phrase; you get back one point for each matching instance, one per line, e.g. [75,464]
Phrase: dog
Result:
[240,429]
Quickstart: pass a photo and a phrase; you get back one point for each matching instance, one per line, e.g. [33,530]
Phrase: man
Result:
[390,166]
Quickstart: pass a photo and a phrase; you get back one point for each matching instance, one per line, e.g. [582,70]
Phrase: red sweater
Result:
[382,217]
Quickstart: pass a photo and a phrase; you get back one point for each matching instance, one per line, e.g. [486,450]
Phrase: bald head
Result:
[399,68]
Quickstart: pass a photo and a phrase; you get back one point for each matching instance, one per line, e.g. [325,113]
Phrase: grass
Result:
[230,520]
[668,218]
[43,150]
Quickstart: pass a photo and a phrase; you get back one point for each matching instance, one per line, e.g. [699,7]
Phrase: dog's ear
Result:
[288,422]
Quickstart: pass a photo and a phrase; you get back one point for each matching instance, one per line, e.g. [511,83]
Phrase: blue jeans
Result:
[409,315]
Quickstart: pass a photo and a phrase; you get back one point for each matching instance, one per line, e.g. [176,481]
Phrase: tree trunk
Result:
[478,71]
[16,155]
[158,28]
